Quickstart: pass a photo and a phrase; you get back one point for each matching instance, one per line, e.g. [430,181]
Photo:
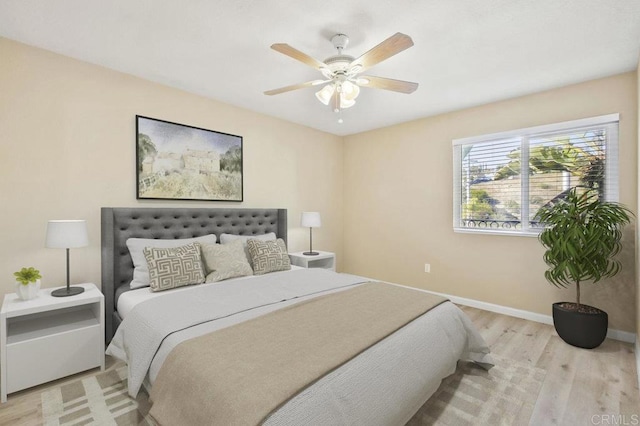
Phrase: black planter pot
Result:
[584,330]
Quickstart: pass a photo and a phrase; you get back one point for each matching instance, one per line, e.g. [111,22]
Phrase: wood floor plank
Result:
[595,390]
[527,343]
[497,333]
[557,361]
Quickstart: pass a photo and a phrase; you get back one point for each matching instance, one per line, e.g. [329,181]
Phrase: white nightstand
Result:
[325,260]
[48,337]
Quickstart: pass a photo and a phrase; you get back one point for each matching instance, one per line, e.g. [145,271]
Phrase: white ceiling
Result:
[466,52]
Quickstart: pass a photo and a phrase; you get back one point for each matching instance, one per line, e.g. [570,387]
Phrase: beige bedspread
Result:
[241,374]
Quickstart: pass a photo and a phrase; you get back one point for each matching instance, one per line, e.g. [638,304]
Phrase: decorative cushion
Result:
[137,245]
[222,262]
[227,238]
[174,267]
[268,256]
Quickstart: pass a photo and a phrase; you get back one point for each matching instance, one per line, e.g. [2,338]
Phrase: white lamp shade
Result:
[67,234]
[324,95]
[350,91]
[310,220]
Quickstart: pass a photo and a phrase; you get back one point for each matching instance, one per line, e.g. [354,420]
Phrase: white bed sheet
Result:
[129,299]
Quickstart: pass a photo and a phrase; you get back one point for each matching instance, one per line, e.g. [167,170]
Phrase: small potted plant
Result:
[27,283]
[582,236]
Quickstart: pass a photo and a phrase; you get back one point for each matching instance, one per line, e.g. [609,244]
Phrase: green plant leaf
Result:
[581,237]
[27,275]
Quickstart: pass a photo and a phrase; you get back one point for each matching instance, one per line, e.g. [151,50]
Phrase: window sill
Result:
[486,231]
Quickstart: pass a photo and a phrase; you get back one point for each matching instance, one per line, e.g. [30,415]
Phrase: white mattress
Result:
[128,300]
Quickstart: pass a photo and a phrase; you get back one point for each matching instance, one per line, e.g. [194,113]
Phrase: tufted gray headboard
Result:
[119,224]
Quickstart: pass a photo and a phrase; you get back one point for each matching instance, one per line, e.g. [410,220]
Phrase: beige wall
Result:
[67,148]
[398,204]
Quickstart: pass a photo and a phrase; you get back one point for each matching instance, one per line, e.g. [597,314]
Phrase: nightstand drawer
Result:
[47,358]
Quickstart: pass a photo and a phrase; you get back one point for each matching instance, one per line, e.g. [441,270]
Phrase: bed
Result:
[384,384]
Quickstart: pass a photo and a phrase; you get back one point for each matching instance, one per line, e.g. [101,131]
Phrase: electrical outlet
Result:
[427,267]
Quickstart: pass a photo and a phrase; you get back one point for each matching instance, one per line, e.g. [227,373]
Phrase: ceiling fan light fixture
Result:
[324,95]
[346,103]
[349,91]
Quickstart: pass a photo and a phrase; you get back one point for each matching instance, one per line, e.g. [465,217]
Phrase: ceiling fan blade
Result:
[386,84]
[295,87]
[294,53]
[391,46]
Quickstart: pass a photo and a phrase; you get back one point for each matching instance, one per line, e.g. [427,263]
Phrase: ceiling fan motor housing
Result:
[340,41]
[338,63]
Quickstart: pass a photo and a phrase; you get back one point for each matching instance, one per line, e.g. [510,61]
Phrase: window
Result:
[501,180]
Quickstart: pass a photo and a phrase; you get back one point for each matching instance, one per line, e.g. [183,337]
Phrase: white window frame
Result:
[611,166]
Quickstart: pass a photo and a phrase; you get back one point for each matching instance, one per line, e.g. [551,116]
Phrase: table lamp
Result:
[67,234]
[310,220]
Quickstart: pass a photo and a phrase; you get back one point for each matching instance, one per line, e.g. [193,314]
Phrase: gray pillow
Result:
[268,256]
[137,245]
[174,267]
[222,262]
[227,238]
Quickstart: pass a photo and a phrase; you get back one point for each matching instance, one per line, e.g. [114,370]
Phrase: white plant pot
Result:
[29,291]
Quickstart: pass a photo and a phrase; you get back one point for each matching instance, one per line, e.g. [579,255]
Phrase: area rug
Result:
[96,400]
[505,395]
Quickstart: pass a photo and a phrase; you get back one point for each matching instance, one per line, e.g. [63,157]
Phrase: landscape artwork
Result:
[179,162]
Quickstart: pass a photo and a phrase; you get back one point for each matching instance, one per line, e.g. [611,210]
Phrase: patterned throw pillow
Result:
[136,249]
[222,262]
[174,267]
[268,256]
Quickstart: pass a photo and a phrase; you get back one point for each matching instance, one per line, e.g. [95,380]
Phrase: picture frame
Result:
[181,162]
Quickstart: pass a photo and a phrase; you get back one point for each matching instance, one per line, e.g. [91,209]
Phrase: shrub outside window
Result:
[502,179]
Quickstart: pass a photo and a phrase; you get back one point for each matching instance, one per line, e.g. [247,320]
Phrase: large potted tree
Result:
[582,235]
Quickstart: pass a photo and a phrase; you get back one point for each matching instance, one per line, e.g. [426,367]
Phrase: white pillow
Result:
[228,238]
[136,249]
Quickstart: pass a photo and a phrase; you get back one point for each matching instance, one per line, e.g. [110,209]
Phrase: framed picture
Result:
[179,162]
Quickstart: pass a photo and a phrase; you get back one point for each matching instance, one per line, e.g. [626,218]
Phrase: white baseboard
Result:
[623,336]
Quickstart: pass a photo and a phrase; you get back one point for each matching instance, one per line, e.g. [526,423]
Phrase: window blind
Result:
[501,180]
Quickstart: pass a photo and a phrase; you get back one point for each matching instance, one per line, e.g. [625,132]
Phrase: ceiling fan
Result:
[342,72]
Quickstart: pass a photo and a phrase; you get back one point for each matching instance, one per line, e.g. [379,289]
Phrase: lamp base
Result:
[310,253]
[64,292]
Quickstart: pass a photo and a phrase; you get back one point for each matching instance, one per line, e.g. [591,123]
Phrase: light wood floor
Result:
[581,386]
